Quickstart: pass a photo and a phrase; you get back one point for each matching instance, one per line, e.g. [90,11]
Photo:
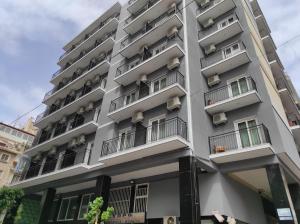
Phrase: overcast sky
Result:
[32,33]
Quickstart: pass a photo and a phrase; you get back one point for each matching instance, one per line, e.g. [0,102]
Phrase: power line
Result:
[23,115]
[288,41]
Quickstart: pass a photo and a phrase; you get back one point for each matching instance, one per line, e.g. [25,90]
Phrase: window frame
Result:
[60,206]
[91,195]
[2,160]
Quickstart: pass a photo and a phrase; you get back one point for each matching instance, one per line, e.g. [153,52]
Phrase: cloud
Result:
[44,20]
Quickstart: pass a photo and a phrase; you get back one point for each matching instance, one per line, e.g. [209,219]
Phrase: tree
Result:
[95,214]
[9,201]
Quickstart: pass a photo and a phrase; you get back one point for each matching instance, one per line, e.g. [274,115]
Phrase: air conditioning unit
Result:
[170,219]
[173,31]
[219,118]
[143,78]
[72,93]
[204,3]
[213,80]
[142,49]
[63,120]
[210,49]
[90,106]
[173,63]
[172,8]
[208,23]
[96,79]
[137,117]
[81,139]
[173,103]
[81,110]
[72,143]
[53,151]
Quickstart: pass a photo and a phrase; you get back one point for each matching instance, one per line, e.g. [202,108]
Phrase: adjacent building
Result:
[173,111]
[13,142]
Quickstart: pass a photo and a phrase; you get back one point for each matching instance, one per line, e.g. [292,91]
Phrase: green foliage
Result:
[9,198]
[95,214]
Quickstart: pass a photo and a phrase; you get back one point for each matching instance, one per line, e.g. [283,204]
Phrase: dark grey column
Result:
[280,193]
[189,191]
[102,189]
[46,203]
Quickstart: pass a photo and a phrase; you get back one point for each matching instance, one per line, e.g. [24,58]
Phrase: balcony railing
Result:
[88,35]
[169,128]
[222,54]
[169,79]
[164,43]
[54,164]
[216,27]
[239,139]
[148,28]
[293,119]
[84,91]
[212,3]
[141,11]
[94,62]
[242,86]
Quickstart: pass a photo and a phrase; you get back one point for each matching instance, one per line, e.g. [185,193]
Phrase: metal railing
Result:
[221,55]
[226,92]
[153,133]
[293,119]
[149,27]
[141,11]
[88,35]
[142,92]
[211,4]
[56,163]
[216,27]
[138,58]
[239,139]
[82,92]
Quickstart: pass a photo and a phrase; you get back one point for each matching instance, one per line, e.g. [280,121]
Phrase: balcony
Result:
[134,6]
[85,64]
[106,41]
[263,27]
[146,98]
[153,32]
[243,144]
[155,57]
[64,134]
[238,94]
[214,10]
[269,44]
[145,141]
[87,95]
[217,34]
[294,122]
[225,59]
[153,9]
[57,167]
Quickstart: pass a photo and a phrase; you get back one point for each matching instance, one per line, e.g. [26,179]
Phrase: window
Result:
[141,198]
[119,199]
[238,87]
[84,205]
[126,139]
[130,98]
[159,48]
[231,50]
[134,63]
[67,209]
[157,128]
[14,132]
[4,157]
[247,133]
[159,84]
[225,22]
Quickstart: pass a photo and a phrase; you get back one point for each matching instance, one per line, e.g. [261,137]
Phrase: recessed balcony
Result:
[277,69]
[147,97]
[262,25]
[242,144]
[269,44]
[214,10]
[45,118]
[147,141]
[92,41]
[75,82]
[237,94]
[136,5]
[225,59]
[217,34]
[72,131]
[70,163]
[132,69]
[152,10]
[97,56]
[294,122]
[155,30]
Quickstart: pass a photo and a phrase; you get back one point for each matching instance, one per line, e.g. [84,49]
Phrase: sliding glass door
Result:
[247,133]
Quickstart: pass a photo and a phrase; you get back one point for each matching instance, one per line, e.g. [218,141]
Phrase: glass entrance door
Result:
[238,87]
[158,84]
[157,129]
[231,50]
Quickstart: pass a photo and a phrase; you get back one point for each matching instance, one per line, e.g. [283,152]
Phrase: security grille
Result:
[119,199]
[141,198]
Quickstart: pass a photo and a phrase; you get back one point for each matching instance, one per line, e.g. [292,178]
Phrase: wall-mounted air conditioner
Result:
[208,23]
[210,49]
[170,219]
[173,63]
[173,103]
[90,106]
[213,80]
[143,79]
[172,8]
[81,139]
[143,48]
[204,3]
[137,117]
[172,32]
[219,118]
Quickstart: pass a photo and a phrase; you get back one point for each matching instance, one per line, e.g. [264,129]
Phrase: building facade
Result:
[13,142]
[173,111]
